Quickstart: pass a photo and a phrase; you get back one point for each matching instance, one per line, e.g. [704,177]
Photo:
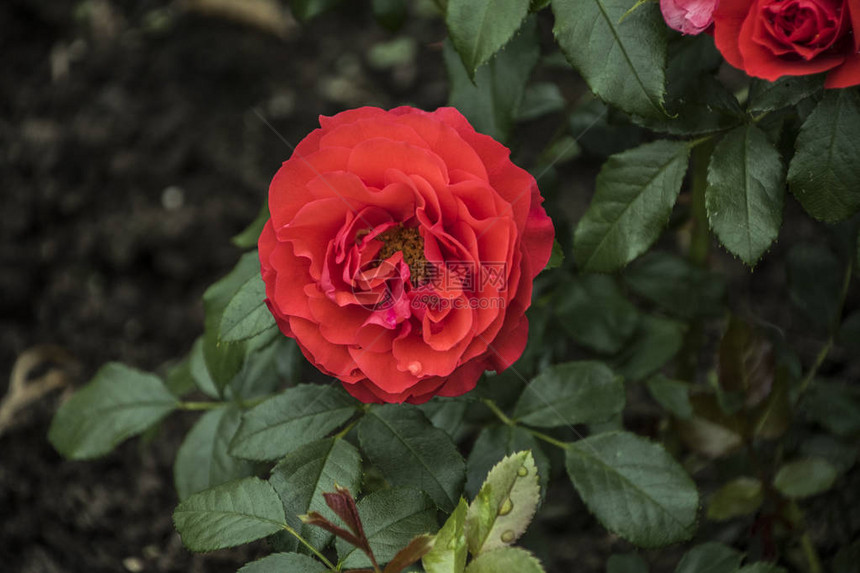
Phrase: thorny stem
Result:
[498,412]
[214,405]
[310,547]
[509,422]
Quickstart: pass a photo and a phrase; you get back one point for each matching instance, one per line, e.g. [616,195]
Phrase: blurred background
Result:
[131,150]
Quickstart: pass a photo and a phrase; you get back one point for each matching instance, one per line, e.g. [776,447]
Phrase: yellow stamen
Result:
[408,241]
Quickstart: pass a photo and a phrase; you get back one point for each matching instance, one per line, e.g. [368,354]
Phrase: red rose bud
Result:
[773,38]
[689,16]
[401,251]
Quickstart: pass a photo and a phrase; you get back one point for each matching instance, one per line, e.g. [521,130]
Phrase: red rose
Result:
[773,38]
[401,251]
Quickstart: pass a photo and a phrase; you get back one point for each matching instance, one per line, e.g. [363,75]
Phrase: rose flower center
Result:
[408,241]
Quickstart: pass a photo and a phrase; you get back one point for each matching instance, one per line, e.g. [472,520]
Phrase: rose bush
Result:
[401,250]
[773,38]
[688,16]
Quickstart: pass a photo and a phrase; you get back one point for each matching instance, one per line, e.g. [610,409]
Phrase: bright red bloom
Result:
[401,251]
[773,38]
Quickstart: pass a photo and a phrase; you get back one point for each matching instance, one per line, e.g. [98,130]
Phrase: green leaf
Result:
[202,460]
[745,193]
[673,395]
[835,406]
[505,559]
[595,313]
[677,286]
[491,103]
[711,432]
[622,60]
[496,442]
[627,563]
[450,551]
[815,277]
[409,451]
[695,101]
[246,315]
[805,478]
[447,414]
[200,372]
[540,99]
[505,505]
[248,237]
[391,518]
[841,453]
[746,363]
[179,379]
[768,96]
[290,420]
[284,563]
[230,514]
[635,193]
[260,375]
[225,360]
[479,28]
[710,558]
[655,341]
[741,496]
[302,476]
[557,256]
[119,402]
[823,174]
[571,393]
[634,488]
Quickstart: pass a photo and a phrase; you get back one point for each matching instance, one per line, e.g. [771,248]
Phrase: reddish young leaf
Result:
[415,550]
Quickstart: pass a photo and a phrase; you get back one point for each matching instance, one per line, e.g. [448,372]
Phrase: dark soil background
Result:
[131,149]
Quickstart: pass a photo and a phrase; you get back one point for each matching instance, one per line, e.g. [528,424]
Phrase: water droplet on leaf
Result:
[508,536]
[507,506]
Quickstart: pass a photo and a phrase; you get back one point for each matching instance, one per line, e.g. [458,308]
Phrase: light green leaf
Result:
[634,488]
[450,551]
[572,393]
[655,341]
[290,420]
[410,451]
[118,403]
[303,475]
[246,315]
[202,460]
[391,518]
[200,372]
[823,174]
[622,60]
[745,193]
[496,442]
[505,505]
[635,193]
[741,496]
[505,559]
[673,395]
[595,313]
[230,514]
[491,103]
[805,478]
[479,28]
[710,558]
[284,563]
[677,286]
